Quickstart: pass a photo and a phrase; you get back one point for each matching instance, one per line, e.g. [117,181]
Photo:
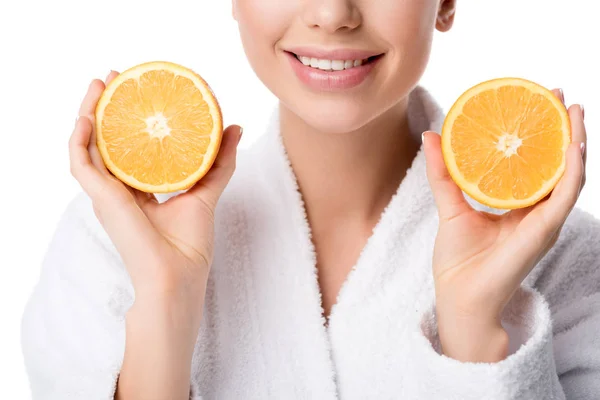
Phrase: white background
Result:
[51,50]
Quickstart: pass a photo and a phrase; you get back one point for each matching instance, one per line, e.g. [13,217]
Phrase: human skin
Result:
[167,249]
[360,137]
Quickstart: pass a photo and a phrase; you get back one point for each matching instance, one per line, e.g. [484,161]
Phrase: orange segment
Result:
[159,127]
[504,142]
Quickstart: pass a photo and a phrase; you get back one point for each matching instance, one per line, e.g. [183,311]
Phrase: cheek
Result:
[408,27]
[261,24]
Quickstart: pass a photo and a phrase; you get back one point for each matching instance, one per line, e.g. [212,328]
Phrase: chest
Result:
[264,333]
[337,253]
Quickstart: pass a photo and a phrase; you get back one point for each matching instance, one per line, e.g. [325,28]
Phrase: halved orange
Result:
[504,142]
[159,127]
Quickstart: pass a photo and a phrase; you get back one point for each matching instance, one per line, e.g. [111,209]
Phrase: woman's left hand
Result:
[481,259]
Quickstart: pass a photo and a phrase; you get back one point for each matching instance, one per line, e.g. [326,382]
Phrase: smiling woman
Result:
[335,258]
[397,35]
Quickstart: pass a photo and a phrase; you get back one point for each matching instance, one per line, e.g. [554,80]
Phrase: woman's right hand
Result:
[167,248]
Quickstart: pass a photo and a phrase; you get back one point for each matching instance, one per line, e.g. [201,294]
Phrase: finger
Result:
[211,186]
[82,168]
[143,199]
[565,194]
[88,109]
[88,104]
[520,254]
[111,75]
[113,209]
[95,155]
[578,131]
[93,182]
[541,225]
[448,197]
[545,218]
[528,244]
[514,217]
[560,94]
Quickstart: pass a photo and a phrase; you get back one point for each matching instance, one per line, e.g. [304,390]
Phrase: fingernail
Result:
[582,148]
[241,132]
[76,120]
[582,111]
[423,137]
[562,94]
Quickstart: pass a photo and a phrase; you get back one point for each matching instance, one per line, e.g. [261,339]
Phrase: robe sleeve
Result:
[73,327]
[554,332]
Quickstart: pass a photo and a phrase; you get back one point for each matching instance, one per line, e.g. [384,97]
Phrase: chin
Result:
[334,116]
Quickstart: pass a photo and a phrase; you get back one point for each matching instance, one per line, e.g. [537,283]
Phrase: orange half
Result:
[504,142]
[159,127]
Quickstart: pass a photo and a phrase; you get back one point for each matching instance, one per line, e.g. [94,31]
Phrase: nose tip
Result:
[332,15]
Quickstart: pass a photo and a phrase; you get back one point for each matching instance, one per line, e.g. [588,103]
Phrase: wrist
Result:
[160,338]
[171,292]
[177,313]
[472,339]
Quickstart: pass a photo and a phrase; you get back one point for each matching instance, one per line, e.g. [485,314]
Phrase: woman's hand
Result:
[166,247]
[481,259]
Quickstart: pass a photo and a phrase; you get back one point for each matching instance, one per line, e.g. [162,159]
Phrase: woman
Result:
[343,263]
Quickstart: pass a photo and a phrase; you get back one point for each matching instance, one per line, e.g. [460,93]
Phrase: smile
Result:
[333,70]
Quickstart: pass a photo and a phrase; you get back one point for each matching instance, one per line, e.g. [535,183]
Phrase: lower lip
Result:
[331,80]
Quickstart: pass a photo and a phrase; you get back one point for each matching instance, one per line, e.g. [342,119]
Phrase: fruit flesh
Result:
[157,128]
[504,142]
[507,142]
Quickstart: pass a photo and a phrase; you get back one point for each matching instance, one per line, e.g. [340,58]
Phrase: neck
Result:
[354,174]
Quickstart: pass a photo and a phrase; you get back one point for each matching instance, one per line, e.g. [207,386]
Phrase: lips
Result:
[332,70]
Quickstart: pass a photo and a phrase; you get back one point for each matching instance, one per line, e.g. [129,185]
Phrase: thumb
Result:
[449,199]
[211,186]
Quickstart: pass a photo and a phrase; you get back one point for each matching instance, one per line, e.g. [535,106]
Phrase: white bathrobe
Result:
[263,335]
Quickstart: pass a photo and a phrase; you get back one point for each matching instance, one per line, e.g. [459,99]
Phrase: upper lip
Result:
[333,54]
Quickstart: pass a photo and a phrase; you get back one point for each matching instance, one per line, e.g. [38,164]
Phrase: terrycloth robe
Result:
[263,335]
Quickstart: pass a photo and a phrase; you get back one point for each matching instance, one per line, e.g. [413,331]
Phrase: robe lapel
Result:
[283,349]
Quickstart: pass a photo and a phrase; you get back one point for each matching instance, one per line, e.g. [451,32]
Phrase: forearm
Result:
[160,339]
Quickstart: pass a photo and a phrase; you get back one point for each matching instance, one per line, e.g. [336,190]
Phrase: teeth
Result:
[324,64]
[338,65]
[330,65]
